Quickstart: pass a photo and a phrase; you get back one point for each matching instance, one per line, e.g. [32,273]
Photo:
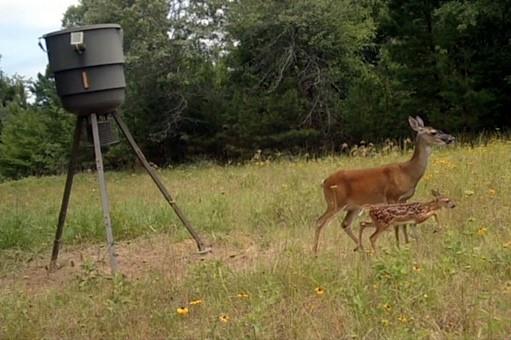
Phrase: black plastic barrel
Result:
[88,64]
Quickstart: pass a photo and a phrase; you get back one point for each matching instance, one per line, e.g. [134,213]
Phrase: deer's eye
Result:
[433,133]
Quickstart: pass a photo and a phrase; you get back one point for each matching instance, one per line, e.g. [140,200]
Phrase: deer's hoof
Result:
[205,251]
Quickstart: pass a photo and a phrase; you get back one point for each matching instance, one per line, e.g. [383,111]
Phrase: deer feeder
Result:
[88,65]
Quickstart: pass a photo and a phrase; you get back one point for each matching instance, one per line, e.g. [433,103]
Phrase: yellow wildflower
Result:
[196,302]
[387,307]
[385,322]
[183,311]
[224,318]
[242,295]
[403,318]
[482,231]
[319,290]
[469,192]
[492,192]
[416,268]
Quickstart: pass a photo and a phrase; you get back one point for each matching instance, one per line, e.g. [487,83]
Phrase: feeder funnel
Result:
[107,133]
[88,64]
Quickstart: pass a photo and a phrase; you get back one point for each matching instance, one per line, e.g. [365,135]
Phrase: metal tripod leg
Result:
[104,194]
[158,182]
[67,193]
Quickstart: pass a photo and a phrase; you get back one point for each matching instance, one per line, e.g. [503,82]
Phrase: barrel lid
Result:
[80,29]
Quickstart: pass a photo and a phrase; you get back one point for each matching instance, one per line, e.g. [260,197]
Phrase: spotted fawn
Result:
[385,215]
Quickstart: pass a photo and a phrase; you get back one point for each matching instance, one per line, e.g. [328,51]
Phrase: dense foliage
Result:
[224,78]
[35,137]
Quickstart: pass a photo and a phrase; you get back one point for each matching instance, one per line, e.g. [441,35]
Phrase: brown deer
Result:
[385,215]
[351,189]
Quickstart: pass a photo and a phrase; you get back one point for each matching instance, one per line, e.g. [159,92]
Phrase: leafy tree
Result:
[293,64]
[454,60]
[12,93]
[474,56]
[36,138]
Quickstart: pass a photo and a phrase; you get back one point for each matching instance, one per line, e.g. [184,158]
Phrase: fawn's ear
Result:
[414,124]
[435,193]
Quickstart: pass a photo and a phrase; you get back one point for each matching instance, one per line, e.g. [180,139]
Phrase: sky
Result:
[22,22]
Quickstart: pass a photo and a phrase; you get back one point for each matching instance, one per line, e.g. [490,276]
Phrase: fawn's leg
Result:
[363,225]
[374,236]
[424,218]
[439,227]
[437,221]
[396,232]
[405,232]
[414,231]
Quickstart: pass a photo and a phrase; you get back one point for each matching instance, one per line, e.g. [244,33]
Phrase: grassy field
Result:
[261,281]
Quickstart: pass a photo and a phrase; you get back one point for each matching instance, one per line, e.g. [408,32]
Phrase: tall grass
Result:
[451,284]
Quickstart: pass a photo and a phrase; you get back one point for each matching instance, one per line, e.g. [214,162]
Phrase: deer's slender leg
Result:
[436,220]
[396,232]
[414,232]
[405,231]
[322,221]
[346,223]
[363,225]
[374,236]
[439,227]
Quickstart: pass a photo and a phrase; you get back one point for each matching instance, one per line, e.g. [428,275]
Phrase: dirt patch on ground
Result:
[136,259]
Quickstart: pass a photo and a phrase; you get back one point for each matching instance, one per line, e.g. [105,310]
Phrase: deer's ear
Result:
[414,124]
[419,121]
[435,193]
